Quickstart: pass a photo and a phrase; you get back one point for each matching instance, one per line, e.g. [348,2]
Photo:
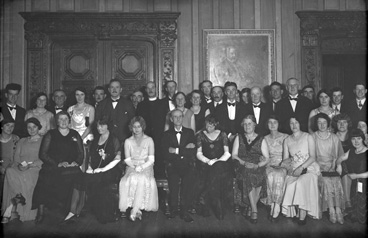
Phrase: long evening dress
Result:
[217,179]
[275,174]
[247,179]
[46,119]
[328,150]
[55,184]
[301,191]
[23,182]
[357,163]
[138,190]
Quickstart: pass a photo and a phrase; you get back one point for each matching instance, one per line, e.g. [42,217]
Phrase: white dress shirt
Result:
[231,110]
[257,112]
[293,102]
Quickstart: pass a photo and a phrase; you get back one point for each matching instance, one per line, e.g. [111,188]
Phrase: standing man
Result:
[167,102]
[308,92]
[337,100]
[99,94]
[178,146]
[357,108]
[217,93]
[151,111]
[136,97]
[230,113]
[276,93]
[206,87]
[59,99]
[259,109]
[293,106]
[11,111]
[118,110]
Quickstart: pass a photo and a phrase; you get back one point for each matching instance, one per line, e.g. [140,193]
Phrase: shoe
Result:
[271,218]
[5,220]
[340,218]
[18,199]
[186,217]
[139,215]
[254,218]
[333,218]
[302,222]
[132,217]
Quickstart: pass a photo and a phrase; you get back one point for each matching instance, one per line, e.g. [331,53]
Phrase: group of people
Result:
[298,158]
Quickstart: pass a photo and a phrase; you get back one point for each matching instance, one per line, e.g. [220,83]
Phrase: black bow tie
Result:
[58,108]
[113,100]
[11,108]
[178,132]
[208,99]
[290,98]
[257,105]
[231,104]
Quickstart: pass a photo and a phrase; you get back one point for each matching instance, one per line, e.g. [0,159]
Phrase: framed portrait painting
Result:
[245,57]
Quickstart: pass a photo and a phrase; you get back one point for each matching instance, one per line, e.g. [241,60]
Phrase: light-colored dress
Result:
[328,150]
[46,119]
[275,174]
[330,114]
[7,151]
[138,190]
[79,120]
[301,191]
[24,182]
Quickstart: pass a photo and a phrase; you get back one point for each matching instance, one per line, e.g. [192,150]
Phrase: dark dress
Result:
[54,185]
[346,145]
[100,198]
[247,179]
[357,163]
[199,118]
[216,179]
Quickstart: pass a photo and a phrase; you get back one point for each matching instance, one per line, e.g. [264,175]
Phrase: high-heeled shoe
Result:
[333,217]
[340,218]
[132,217]
[302,222]
[139,215]
[254,217]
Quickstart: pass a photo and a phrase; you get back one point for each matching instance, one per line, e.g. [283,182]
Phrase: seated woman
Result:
[22,176]
[301,184]
[213,151]
[250,168]
[101,173]
[356,161]
[272,146]
[328,150]
[40,112]
[62,154]
[138,188]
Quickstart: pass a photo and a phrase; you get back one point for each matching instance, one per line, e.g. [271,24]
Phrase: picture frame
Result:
[246,57]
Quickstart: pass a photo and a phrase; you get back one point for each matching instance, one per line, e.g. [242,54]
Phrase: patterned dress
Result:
[275,174]
[138,190]
[328,150]
[247,179]
[80,120]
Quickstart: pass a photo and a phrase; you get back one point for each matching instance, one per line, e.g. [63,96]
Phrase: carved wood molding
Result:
[332,32]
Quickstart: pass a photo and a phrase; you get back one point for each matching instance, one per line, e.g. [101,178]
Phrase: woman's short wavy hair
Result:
[249,116]
[323,116]
[61,114]
[341,117]
[139,119]
[357,133]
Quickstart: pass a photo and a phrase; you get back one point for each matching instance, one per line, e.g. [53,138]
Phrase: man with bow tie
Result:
[206,87]
[230,113]
[259,109]
[59,99]
[293,106]
[118,110]
[178,147]
[11,111]
[357,107]
[167,102]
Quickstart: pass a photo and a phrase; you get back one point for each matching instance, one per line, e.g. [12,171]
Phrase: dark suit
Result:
[355,113]
[212,107]
[165,104]
[118,117]
[227,125]
[19,127]
[180,167]
[265,112]
[271,105]
[154,115]
[284,111]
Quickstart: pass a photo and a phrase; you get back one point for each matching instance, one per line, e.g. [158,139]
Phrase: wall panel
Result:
[161,5]
[113,5]
[331,4]
[64,5]
[267,14]
[247,14]
[356,5]
[89,5]
[226,14]
[205,21]
[39,5]
[310,4]
[138,5]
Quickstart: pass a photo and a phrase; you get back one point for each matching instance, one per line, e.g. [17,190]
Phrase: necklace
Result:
[250,138]
[321,136]
[359,151]
[3,140]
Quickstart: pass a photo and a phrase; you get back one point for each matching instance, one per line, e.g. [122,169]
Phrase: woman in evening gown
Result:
[138,188]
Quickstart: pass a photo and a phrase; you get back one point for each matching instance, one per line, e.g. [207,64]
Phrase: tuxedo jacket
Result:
[227,125]
[186,156]
[118,117]
[154,115]
[355,113]
[284,111]
[19,127]
[265,112]
[52,109]
[212,107]
[165,104]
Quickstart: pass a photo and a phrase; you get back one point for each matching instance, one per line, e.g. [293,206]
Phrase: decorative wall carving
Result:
[332,32]
[168,63]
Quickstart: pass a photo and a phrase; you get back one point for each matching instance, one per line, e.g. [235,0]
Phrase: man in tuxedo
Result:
[259,109]
[99,94]
[276,93]
[170,90]
[11,111]
[118,110]
[152,112]
[58,102]
[206,87]
[338,100]
[357,107]
[178,146]
[230,113]
[293,106]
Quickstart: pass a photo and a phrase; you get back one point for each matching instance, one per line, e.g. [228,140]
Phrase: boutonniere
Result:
[101,152]
[74,139]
